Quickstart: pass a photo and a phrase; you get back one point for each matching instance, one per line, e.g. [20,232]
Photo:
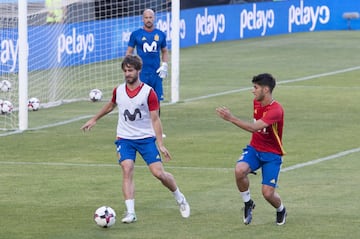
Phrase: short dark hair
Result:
[265,79]
[132,60]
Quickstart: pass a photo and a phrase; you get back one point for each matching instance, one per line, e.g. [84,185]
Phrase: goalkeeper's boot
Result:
[129,218]
[281,217]
[249,206]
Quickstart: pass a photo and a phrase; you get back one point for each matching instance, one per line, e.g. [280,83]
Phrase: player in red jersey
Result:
[139,127]
[265,150]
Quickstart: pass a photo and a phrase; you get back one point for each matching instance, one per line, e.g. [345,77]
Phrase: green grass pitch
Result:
[52,179]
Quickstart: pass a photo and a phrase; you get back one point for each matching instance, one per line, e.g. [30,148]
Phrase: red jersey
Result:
[269,139]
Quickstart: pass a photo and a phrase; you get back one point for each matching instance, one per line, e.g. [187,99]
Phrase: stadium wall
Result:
[85,42]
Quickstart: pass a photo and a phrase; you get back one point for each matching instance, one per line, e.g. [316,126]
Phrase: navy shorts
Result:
[269,163]
[147,148]
[155,81]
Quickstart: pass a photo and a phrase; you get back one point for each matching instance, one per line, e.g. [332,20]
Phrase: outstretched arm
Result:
[226,114]
[107,108]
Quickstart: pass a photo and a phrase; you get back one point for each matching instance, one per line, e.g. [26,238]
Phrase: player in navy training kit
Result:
[150,45]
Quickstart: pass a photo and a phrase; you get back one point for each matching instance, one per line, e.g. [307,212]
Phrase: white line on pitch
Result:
[279,83]
[195,98]
[290,168]
[316,161]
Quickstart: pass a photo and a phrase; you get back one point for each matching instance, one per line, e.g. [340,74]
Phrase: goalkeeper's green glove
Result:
[163,70]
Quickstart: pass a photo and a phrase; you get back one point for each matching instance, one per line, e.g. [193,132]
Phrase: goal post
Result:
[23,65]
[60,59]
[175,51]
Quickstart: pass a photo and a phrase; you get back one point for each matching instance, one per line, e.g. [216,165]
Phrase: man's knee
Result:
[241,170]
[268,192]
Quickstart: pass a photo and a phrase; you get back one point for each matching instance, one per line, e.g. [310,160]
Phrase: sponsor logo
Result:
[208,24]
[131,117]
[165,25]
[256,20]
[75,44]
[9,52]
[150,48]
[308,15]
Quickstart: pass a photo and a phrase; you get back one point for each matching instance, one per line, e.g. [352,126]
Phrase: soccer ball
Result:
[34,104]
[95,95]
[6,107]
[105,216]
[5,85]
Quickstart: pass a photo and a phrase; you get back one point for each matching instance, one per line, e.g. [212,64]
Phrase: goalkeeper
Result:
[150,45]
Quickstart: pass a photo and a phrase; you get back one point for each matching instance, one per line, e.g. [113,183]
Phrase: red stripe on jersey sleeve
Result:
[113,99]
[153,101]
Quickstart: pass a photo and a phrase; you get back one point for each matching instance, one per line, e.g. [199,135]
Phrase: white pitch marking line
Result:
[278,83]
[316,161]
[197,98]
[290,168]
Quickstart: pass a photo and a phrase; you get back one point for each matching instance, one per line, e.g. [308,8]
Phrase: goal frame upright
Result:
[175,52]
[23,65]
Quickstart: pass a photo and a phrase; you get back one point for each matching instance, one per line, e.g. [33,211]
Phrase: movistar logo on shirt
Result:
[132,117]
[150,48]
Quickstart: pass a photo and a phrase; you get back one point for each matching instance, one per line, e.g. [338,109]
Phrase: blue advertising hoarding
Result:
[103,40]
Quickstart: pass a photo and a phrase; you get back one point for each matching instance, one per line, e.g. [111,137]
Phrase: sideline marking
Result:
[316,161]
[290,168]
[193,99]
[305,78]
[48,125]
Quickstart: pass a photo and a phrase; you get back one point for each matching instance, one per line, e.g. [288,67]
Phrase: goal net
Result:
[73,46]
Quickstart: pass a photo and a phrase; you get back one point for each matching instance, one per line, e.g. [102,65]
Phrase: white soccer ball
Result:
[105,216]
[95,95]
[6,107]
[34,104]
[5,85]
